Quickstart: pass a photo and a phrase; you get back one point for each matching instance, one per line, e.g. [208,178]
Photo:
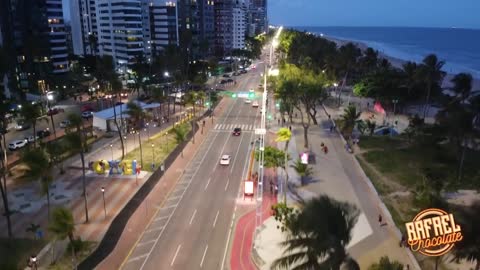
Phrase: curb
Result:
[383,207]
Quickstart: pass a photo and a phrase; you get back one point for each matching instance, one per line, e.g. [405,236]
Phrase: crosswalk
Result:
[230,127]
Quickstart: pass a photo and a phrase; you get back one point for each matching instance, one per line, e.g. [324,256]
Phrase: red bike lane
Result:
[240,258]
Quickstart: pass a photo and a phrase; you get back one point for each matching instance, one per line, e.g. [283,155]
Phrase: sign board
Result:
[304,158]
[433,232]
[248,187]
[242,94]
[260,131]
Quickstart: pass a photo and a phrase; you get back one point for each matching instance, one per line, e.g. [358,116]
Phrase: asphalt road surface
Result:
[191,230]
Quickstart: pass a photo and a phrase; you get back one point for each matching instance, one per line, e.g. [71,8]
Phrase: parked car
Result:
[237,131]
[22,126]
[236,73]
[31,138]
[225,160]
[17,144]
[243,71]
[54,110]
[226,75]
[223,81]
[43,133]
[64,123]
[87,114]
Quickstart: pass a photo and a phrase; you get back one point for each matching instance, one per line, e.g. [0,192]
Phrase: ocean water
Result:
[459,48]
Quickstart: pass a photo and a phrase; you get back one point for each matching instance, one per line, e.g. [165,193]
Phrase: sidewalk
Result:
[337,175]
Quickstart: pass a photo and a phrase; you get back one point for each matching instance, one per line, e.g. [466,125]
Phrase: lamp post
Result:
[126,143]
[111,150]
[153,156]
[104,206]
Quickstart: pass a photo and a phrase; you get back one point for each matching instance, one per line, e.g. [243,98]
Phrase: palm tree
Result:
[137,119]
[350,118]
[386,264]
[318,236]
[76,144]
[63,224]
[303,170]
[180,135]
[31,113]
[410,71]
[37,165]
[469,248]
[284,135]
[431,72]
[462,85]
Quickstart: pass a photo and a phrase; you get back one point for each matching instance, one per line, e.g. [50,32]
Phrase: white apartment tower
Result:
[239,25]
[123,29]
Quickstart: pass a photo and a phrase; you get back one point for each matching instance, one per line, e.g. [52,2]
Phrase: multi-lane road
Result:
[192,228]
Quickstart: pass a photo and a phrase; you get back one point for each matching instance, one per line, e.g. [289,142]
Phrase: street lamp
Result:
[166,74]
[126,141]
[111,150]
[153,156]
[104,206]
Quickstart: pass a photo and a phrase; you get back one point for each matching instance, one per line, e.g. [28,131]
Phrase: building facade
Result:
[239,26]
[123,29]
[33,32]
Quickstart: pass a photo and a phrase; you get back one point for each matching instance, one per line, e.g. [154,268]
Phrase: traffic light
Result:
[207,103]
[234,95]
[269,117]
[251,95]
[277,105]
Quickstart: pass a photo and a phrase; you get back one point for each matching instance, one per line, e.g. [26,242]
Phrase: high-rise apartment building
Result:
[239,25]
[162,26]
[33,32]
[257,17]
[124,29]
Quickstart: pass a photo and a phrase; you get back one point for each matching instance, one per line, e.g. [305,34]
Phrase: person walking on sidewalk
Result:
[380,219]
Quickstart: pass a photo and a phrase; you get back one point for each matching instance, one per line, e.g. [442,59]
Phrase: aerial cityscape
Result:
[239,135]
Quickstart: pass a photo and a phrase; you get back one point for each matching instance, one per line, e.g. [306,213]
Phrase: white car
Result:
[64,124]
[251,90]
[248,101]
[255,104]
[31,138]
[17,144]
[225,160]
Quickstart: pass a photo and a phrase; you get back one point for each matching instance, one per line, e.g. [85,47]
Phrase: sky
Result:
[412,13]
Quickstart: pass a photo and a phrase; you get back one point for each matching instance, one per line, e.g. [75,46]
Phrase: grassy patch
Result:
[163,144]
[15,252]
[382,142]
[65,262]
[381,187]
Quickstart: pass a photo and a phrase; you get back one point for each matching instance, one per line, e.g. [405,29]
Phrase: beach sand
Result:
[399,62]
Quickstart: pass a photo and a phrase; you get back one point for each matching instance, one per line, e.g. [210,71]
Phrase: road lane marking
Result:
[155,229]
[208,182]
[160,218]
[203,257]
[170,216]
[193,216]
[176,253]
[216,217]
[173,198]
[226,186]
[236,154]
[145,243]
[137,258]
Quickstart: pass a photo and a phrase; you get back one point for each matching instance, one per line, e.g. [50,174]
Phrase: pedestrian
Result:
[408,266]
[290,128]
[325,150]
[331,128]
[380,218]
[279,121]
[402,241]
[295,115]
[203,122]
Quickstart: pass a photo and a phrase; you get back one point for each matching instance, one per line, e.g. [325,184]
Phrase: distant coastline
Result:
[396,62]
